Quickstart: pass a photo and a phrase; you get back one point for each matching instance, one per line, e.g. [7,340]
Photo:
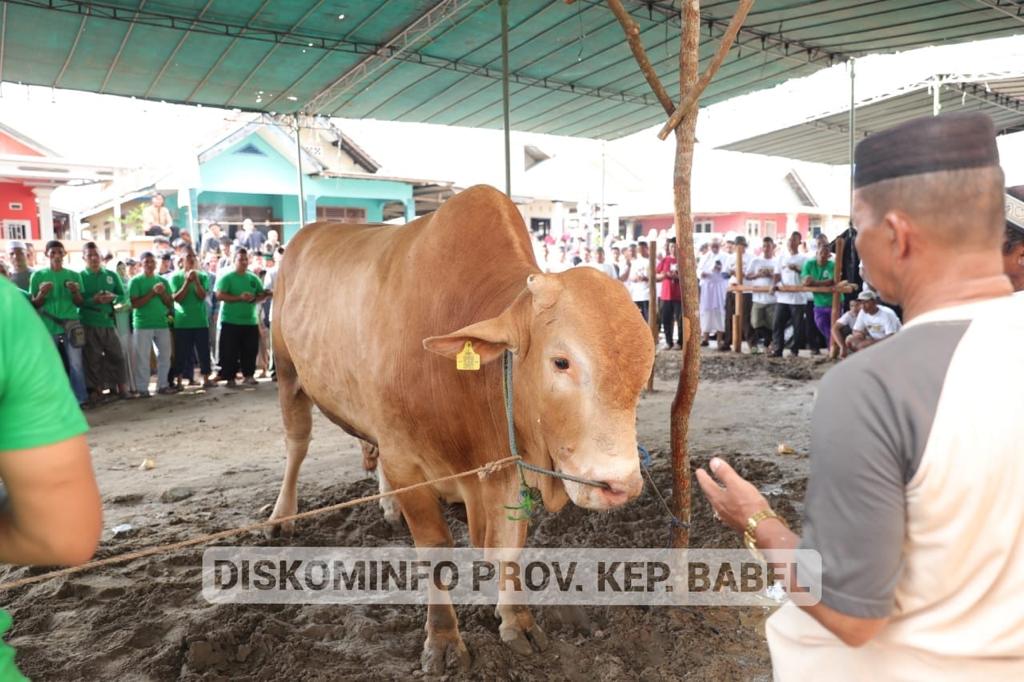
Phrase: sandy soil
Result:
[218,459]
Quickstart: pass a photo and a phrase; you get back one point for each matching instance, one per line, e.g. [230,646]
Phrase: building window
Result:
[340,214]
[15,229]
[540,225]
[770,228]
[15,206]
[704,226]
[814,227]
[753,228]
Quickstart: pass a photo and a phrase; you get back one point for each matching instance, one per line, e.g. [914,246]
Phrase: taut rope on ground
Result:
[481,471]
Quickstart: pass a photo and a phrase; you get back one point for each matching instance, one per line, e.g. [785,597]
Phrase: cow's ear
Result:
[490,338]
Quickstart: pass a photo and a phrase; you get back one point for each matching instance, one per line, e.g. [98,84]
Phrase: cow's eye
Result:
[561,364]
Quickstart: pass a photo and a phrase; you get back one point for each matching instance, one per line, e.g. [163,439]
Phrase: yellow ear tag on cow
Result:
[467,360]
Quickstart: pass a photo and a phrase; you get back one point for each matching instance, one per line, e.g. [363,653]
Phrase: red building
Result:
[720,209]
[29,172]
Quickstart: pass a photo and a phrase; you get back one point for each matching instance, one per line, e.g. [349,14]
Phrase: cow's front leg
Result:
[444,645]
[518,629]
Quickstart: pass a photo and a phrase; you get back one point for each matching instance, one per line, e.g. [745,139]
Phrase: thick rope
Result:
[481,471]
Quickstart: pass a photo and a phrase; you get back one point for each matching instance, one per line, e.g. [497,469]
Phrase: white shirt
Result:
[606,268]
[753,266]
[791,278]
[638,281]
[848,319]
[878,326]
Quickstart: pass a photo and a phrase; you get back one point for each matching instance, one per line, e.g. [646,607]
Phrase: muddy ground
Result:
[218,457]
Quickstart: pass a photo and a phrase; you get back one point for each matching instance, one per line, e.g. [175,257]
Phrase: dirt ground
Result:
[218,459]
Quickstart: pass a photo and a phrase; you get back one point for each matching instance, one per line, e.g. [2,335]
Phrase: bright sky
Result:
[133,133]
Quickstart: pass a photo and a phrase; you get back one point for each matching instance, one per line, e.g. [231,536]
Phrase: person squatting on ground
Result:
[914,497]
[104,359]
[874,323]
[239,291]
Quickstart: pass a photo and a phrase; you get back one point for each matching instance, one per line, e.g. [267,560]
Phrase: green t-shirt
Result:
[190,313]
[37,406]
[815,271]
[240,312]
[153,315]
[100,314]
[59,301]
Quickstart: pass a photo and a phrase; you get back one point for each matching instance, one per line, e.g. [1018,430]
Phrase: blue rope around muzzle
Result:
[646,462]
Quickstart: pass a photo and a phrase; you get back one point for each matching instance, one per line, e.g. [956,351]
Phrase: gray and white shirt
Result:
[916,503]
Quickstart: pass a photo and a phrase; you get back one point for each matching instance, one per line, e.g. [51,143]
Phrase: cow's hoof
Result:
[280,530]
[441,653]
[524,642]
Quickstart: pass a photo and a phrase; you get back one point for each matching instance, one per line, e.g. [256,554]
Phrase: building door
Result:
[541,225]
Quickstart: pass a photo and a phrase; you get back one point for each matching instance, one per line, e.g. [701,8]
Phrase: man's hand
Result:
[733,499]
[247,296]
[71,286]
[103,297]
[158,288]
[45,288]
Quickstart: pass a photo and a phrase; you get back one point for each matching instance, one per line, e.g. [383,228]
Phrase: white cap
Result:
[15,244]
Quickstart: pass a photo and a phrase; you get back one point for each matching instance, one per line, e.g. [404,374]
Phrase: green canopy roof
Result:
[440,61]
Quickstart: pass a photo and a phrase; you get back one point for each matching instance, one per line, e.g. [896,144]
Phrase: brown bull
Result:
[355,306]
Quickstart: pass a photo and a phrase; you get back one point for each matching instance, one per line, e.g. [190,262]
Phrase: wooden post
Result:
[684,128]
[837,298]
[652,300]
[686,391]
[737,321]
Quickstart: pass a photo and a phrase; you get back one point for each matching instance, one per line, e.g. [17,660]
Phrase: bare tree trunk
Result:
[686,136]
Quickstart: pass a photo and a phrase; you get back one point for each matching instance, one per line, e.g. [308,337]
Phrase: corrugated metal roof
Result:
[826,139]
[439,61]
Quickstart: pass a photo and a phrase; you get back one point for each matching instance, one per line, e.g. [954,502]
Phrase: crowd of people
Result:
[127,326]
[776,319]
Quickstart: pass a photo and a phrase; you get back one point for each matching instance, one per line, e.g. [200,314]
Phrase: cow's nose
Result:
[621,491]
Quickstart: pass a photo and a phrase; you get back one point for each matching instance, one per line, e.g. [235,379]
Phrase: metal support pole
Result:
[504,96]
[936,91]
[298,166]
[853,123]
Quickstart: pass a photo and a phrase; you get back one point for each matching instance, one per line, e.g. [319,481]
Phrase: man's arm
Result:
[179,294]
[736,500]
[53,515]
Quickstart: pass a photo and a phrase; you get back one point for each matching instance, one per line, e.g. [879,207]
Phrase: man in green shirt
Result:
[56,294]
[52,515]
[820,272]
[151,304]
[189,288]
[104,361]
[239,291]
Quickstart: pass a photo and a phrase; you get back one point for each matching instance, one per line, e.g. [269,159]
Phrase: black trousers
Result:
[784,314]
[643,306]
[671,315]
[190,344]
[239,344]
[815,341]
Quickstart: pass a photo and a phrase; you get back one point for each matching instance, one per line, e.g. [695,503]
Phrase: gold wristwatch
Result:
[749,537]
